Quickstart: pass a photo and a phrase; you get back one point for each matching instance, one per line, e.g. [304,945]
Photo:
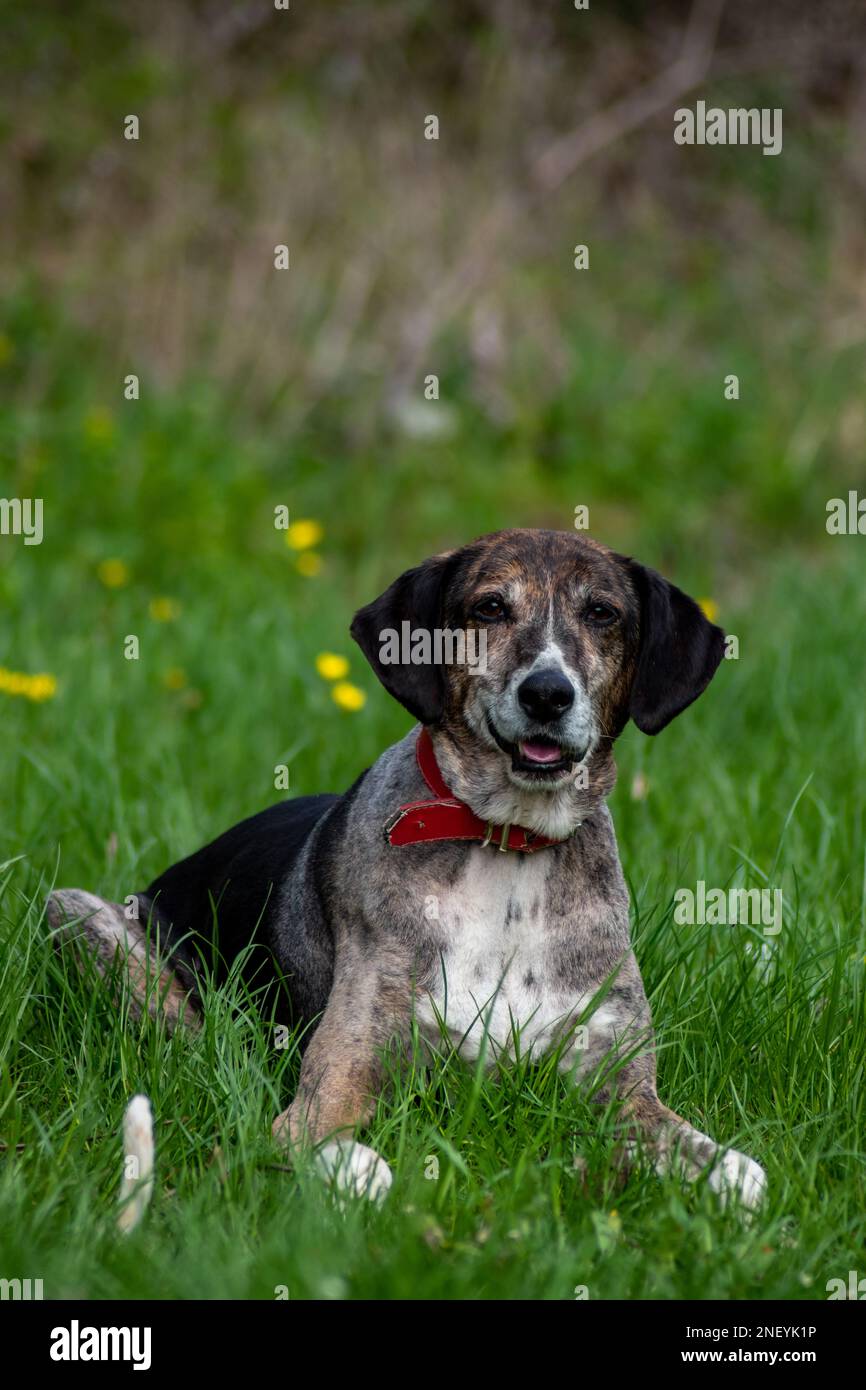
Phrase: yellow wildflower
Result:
[42,687]
[331,667]
[164,610]
[348,696]
[308,564]
[709,608]
[114,574]
[303,535]
[99,425]
[38,687]
[174,678]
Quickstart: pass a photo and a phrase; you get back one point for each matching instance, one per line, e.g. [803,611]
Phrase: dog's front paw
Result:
[735,1175]
[353,1170]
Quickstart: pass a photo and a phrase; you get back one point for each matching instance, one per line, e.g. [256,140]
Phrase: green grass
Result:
[558,388]
[761,783]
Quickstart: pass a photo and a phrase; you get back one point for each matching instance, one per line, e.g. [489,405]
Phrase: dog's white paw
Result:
[735,1175]
[353,1170]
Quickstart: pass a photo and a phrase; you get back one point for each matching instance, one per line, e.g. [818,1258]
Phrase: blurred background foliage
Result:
[453,256]
[305,387]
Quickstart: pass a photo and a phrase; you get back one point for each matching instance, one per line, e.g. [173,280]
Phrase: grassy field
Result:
[557,389]
[130,764]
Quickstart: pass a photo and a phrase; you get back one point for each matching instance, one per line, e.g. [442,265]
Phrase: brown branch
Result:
[558,162]
[565,155]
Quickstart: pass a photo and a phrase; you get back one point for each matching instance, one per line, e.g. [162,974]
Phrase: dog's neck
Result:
[478,776]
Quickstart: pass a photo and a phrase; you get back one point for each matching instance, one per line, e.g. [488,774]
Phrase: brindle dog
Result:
[388,904]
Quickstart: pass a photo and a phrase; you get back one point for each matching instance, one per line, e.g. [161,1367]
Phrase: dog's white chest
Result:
[495,971]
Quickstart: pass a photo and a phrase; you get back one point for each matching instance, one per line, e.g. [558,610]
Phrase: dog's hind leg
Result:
[119,944]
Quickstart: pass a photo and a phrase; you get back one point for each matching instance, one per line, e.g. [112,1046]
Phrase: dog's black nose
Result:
[546,694]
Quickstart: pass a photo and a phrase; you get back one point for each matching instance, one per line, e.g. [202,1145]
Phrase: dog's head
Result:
[526,652]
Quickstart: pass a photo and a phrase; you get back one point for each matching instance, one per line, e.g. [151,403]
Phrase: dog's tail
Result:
[124,949]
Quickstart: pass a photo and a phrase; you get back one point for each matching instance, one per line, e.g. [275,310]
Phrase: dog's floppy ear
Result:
[678,654]
[415,598]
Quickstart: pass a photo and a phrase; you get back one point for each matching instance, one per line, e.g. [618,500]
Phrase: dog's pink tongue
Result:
[541,752]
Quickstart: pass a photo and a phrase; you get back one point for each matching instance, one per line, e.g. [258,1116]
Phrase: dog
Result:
[467,887]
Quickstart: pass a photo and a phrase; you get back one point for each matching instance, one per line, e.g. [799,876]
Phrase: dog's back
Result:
[219,900]
[199,915]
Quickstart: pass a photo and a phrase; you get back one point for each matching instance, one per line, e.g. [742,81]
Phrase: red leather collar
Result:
[446,818]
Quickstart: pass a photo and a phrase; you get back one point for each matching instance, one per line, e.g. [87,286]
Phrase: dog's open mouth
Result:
[539,752]
[541,756]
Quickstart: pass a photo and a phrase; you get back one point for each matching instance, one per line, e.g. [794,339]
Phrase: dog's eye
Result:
[490,609]
[601,614]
